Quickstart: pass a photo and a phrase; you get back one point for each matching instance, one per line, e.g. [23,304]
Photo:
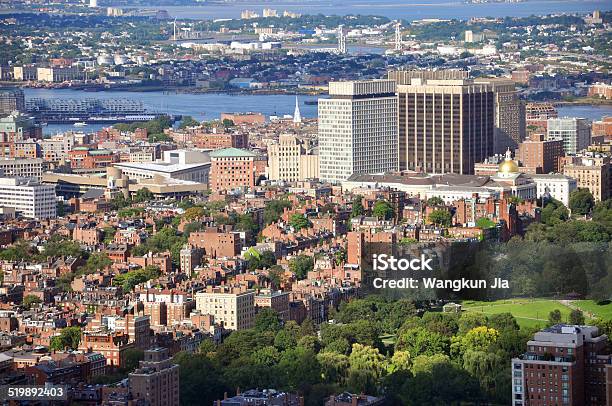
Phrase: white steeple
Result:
[297,116]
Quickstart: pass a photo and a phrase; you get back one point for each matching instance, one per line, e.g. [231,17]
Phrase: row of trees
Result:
[470,353]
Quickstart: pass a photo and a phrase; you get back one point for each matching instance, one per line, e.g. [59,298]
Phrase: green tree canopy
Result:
[383,210]
[581,201]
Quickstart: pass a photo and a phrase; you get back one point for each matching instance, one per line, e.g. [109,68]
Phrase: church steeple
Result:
[297,116]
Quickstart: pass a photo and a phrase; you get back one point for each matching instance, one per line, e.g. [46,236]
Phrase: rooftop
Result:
[232,152]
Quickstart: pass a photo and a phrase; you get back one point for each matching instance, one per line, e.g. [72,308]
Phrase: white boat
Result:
[80,124]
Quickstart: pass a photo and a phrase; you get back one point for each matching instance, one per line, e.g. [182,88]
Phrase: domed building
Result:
[508,167]
[512,182]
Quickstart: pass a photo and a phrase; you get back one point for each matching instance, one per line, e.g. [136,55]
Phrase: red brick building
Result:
[539,155]
[216,243]
[233,168]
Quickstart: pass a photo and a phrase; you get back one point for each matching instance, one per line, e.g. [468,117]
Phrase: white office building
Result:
[358,129]
[556,185]
[575,132]
[28,197]
[186,165]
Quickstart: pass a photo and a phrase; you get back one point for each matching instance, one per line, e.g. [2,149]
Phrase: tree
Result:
[554,317]
[581,201]
[576,317]
[503,321]
[69,337]
[435,201]
[143,195]
[484,223]
[299,369]
[334,366]
[441,218]
[227,123]
[357,207]
[298,222]
[383,210]
[274,209]
[194,213]
[301,265]
[188,121]
[419,341]
[31,300]
[366,367]
[267,320]
[97,262]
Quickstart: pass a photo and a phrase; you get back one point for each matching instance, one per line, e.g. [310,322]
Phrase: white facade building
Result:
[358,129]
[28,197]
[186,165]
[557,185]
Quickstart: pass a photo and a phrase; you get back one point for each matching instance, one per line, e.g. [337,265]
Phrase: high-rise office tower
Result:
[510,125]
[358,129]
[446,121]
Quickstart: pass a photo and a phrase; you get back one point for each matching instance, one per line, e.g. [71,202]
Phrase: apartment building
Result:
[290,159]
[232,306]
[563,365]
[234,168]
[21,168]
[540,155]
[591,171]
[156,381]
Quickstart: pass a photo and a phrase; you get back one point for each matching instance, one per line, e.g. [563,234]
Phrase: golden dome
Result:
[508,166]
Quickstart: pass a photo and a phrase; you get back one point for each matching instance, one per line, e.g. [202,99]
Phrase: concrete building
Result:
[59,74]
[22,168]
[291,160]
[575,133]
[234,307]
[25,73]
[233,168]
[563,365]
[591,171]
[555,185]
[156,380]
[510,127]
[29,197]
[185,165]
[540,155]
[358,129]
[445,125]
[11,100]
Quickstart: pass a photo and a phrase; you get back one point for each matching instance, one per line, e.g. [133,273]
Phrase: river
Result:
[209,106]
[408,10]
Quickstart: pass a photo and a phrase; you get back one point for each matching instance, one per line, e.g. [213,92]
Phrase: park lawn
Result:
[528,312]
[590,306]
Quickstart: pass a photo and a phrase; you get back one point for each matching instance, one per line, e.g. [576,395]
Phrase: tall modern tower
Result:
[446,121]
[358,129]
[510,127]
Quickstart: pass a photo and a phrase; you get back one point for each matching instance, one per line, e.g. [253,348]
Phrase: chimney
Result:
[224,395]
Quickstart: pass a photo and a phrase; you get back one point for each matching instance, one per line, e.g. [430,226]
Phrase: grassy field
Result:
[528,312]
[589,306]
